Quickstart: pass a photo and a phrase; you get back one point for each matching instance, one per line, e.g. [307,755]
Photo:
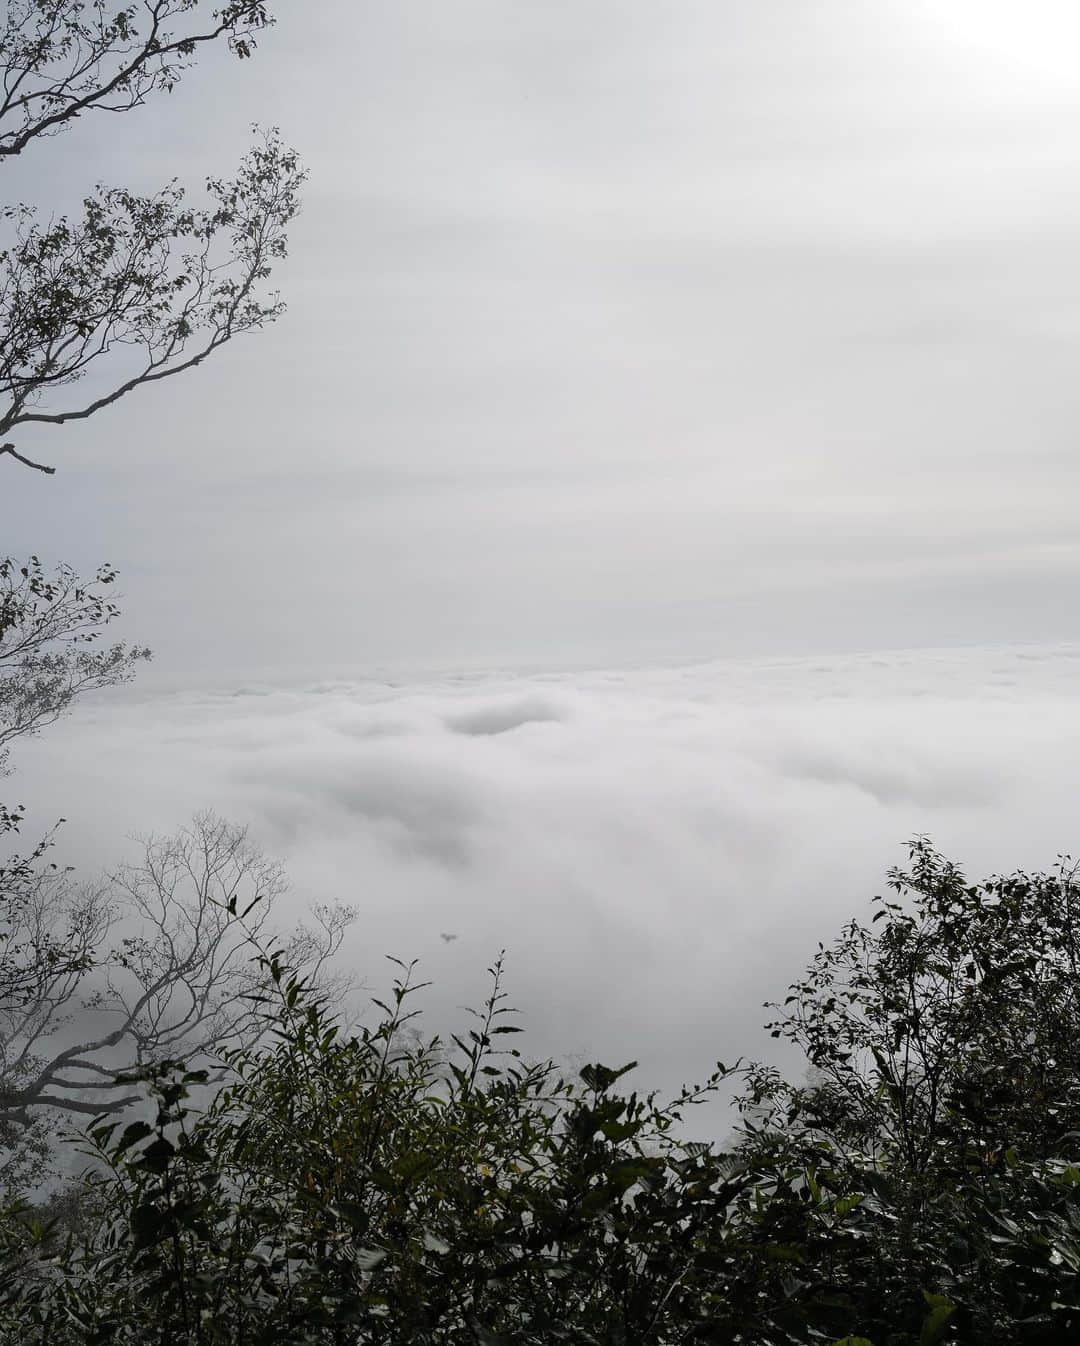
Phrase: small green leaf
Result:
[136,1131]
[147,1224]
[937,1320]
[156,1157]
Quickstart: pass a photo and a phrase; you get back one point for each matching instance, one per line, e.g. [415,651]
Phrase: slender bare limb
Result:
[166,968]
[27,462]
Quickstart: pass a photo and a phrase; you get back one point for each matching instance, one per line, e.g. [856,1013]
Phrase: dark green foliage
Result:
[373,1187]
[944,1046]
[370,1187]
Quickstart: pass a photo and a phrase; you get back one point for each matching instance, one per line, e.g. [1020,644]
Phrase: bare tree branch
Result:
[27,462]
[181,978]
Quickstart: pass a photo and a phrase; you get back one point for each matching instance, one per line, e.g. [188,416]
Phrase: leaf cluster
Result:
[371,1185]
[140,287]
[62,59]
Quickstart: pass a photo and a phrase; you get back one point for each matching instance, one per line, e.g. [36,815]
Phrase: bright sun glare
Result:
[1037,40]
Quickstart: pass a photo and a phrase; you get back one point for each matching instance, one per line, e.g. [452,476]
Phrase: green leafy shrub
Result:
[371,1186]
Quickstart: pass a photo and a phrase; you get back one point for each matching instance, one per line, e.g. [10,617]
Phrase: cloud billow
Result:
[659,850]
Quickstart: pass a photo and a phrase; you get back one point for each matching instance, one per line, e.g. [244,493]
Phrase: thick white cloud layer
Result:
[658,850]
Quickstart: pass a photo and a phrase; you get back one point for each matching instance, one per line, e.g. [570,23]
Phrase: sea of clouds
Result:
[657,850]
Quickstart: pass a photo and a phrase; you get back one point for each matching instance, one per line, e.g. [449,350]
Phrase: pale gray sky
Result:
[621,333]
[617,331]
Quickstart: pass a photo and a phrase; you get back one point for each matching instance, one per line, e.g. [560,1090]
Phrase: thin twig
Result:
[28,462]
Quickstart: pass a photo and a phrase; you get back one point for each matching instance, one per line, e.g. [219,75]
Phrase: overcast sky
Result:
[704,342]
[617,331]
